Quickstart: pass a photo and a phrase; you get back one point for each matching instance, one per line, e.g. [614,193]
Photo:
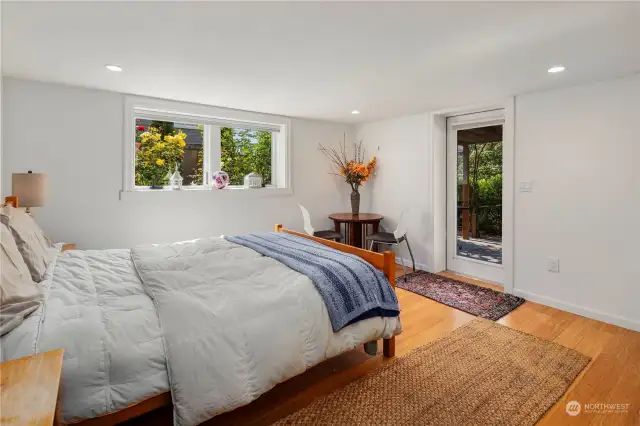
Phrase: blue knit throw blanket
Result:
[352,288]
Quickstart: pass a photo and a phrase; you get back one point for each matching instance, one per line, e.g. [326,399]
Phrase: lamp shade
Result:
[30,188]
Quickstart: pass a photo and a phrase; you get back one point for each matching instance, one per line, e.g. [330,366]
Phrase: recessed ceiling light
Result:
[555,69]
[355,112]
[113,68]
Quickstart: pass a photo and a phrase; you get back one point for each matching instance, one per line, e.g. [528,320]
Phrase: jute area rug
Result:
[482,373]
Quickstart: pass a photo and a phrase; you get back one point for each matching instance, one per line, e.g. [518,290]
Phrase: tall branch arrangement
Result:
[355,171]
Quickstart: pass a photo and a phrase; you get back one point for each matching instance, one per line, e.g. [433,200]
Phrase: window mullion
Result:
[274,159]
[280,166]
[212,152]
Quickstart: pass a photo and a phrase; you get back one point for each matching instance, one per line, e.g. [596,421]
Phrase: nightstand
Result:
[66,247]
[29,389]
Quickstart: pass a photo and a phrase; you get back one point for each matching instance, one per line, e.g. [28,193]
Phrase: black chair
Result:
[393,239]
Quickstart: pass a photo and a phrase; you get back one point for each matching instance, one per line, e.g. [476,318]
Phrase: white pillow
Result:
[36,249]
[19,295]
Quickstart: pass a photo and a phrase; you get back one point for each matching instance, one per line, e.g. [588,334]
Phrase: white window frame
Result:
[213,118]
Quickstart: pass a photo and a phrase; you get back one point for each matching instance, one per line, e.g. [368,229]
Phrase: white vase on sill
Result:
[176,180]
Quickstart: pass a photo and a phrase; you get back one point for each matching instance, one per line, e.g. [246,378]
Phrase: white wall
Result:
[75,136]
[401,181]
[1,88]
[578,145]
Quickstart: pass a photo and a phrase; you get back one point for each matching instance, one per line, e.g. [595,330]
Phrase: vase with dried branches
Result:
[355,171]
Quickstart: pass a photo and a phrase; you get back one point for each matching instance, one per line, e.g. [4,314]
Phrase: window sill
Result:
[232,191]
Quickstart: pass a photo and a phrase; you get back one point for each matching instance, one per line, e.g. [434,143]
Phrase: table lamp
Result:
[30,188]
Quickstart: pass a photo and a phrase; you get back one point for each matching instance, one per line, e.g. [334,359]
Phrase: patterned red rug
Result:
[479,301]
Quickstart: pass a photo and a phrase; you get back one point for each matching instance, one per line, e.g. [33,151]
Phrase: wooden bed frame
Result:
[382,261]
[386,262]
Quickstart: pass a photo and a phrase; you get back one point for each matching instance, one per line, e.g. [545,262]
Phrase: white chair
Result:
[393,239]
[308,228]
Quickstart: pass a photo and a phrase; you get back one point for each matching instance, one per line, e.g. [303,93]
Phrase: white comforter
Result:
[97,310]
[236,323]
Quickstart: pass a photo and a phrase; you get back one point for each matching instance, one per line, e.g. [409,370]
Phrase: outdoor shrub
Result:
[158,154]
[489,191]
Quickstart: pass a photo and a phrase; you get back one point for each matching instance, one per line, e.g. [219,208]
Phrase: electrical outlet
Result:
[553,264]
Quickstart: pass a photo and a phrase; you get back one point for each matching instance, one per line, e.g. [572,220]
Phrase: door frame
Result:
[474,268]
[437,185]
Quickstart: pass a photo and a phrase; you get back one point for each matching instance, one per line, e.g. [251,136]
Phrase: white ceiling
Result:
[322,60]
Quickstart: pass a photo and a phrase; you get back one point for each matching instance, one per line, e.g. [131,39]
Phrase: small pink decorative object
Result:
[220,179]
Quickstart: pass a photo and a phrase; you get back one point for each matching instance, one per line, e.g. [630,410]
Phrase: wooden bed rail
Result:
[386,262]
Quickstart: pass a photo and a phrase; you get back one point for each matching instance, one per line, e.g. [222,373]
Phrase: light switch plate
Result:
[526,186]
[553,264]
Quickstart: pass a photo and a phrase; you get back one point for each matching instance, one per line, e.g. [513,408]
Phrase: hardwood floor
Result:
[612,377]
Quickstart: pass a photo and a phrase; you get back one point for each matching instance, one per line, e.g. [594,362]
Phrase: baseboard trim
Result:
[554,303]
[579,310]
[407,263]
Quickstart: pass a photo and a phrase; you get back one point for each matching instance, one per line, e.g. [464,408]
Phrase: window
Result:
[162,147]
[162,137]
[243,151]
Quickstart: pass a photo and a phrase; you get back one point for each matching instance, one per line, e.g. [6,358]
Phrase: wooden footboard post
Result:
[389,345]
[277,227]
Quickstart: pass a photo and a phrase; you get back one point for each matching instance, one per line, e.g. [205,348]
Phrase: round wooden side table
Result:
[356,226]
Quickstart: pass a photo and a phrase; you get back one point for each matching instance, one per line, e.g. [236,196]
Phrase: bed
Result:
[115,364]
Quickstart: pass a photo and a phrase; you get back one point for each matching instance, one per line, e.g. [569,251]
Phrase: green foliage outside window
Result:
[160,148]
[242,151]
[485,181]
[158,151]
[489,192]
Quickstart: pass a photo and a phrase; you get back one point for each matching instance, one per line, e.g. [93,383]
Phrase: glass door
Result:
[474,195]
